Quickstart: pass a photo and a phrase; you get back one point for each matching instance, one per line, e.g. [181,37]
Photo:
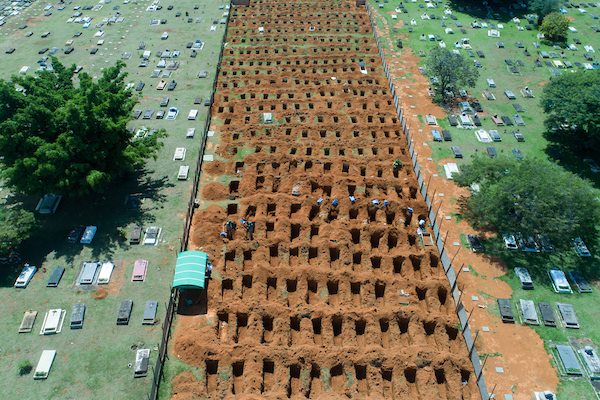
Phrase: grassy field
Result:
[93,362]
[535,145]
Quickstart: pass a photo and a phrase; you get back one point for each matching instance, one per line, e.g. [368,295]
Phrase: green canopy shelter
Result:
[190,270]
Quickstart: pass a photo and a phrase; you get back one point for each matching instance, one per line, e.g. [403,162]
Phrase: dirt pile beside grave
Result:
[100,294]
[214,191]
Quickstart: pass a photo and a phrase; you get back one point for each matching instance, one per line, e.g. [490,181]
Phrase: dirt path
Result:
[517,349]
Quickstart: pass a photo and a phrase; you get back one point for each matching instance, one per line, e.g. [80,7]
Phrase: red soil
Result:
[214,191]
[323,301]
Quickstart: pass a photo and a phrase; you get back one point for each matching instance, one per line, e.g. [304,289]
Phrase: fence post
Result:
[474,340]
[482,365]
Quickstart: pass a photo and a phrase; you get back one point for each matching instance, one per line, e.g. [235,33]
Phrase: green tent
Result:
[190,270]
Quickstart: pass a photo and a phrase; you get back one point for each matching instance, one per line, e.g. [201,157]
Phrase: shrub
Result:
[25,367]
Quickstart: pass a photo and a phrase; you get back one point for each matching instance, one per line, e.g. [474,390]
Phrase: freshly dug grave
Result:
[322,300]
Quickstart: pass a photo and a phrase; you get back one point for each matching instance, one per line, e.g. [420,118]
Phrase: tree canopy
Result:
[60,136]
[16,224]
[544,7]
[571,103]
[529,197]
[555,27]
[447,70]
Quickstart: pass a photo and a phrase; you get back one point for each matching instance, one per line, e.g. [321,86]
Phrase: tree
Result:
[572,107]
[555,27]
[447,70]
[56,136]
[544,7]
[529,197]
[16,224]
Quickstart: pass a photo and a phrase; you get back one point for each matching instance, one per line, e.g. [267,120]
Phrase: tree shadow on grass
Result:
[112,212]
[538,264]
[572,161]
[495,10]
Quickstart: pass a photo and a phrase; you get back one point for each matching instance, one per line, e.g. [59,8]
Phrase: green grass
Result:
[326,379]
[587,314]
[94,361]
[349,379]
[571,388]
[171,369]
[493,67]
